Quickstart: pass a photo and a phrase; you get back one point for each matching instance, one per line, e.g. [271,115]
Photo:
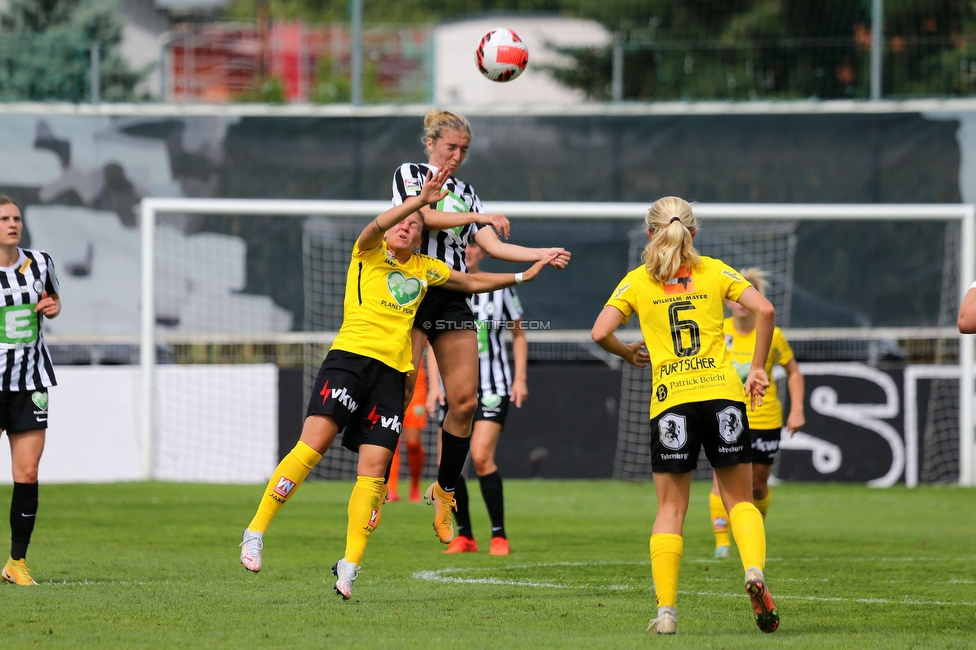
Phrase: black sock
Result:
[23,512]
[491,490]
[454,451]
[462,516]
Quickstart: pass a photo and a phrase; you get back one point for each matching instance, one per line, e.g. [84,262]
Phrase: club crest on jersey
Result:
[729,424]
[403,289]
[672,431]
[38,286]
[662,392]
[682,282]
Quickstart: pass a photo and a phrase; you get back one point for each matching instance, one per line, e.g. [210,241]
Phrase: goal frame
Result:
[151,208]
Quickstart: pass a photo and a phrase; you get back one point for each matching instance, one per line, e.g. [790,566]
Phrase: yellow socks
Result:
[750,535]
[291,471]
[666,551]
[720,520]
[763,504]
[364,512]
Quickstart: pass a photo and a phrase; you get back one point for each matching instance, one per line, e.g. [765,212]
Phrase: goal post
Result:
[553,216]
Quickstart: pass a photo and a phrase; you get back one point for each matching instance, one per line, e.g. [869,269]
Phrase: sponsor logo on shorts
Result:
[40,399]
[491,403]
[729,424]
[765,445]
[340,395]
[393,424]
[284,487]
[674,456]
[672,430]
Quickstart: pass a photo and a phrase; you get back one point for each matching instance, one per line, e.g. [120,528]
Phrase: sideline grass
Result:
[156,565]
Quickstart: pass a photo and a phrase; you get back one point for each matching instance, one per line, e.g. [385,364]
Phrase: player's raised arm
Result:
[481,282]
[489,242]
[431,192]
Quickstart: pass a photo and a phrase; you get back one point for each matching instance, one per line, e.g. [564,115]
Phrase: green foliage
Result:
[267,91]
[155,565]
[46,48]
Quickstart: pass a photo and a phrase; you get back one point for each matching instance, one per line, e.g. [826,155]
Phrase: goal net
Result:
[241,300]
[766,237]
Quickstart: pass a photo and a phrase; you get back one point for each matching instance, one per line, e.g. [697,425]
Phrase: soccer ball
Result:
[501,55]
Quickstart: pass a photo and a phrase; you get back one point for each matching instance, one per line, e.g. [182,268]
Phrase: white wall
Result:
[458,81]
[215,424]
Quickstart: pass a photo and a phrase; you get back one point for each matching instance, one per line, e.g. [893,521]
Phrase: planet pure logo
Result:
[403,289]
[39,399]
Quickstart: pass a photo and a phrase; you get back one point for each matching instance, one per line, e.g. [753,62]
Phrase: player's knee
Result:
[465,405]
[482,460]
[25,475]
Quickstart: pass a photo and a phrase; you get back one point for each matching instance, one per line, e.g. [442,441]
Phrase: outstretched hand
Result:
[48,306]
[756,384]
[534,270]
[433,191]
[561,257]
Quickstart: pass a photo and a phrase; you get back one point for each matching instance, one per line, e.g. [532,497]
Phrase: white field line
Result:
[444,575]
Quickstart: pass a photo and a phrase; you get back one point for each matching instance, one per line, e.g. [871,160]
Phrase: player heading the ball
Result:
[359,389]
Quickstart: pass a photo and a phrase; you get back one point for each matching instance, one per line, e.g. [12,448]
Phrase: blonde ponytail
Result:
[672,224]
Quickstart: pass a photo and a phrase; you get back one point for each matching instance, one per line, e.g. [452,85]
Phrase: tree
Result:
[45,51]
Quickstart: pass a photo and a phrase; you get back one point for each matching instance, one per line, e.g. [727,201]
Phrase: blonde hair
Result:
[6,200]
[757,278]
[436,121]
[672,224]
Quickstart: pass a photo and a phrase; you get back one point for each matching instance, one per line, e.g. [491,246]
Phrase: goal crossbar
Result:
[150,208]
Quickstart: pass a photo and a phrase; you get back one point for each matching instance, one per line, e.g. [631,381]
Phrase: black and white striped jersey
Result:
[25,361]
[445,245]
[495,312]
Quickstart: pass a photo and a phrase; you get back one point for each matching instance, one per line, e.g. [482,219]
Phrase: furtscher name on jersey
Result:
[687,365]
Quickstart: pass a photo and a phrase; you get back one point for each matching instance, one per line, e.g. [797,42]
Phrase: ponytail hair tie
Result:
[673,219]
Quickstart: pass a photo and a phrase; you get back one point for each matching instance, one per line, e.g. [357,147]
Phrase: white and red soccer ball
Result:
[501,55]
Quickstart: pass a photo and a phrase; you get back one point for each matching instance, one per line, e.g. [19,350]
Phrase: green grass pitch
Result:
[155,565]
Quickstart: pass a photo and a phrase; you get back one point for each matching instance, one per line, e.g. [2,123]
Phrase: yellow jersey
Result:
[382,296]
[682,324]
[740,346]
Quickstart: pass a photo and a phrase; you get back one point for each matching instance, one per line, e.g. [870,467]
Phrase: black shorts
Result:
[443,310]
[493,408]
[364,397]
[720,426]
[23,410]
[765,444]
